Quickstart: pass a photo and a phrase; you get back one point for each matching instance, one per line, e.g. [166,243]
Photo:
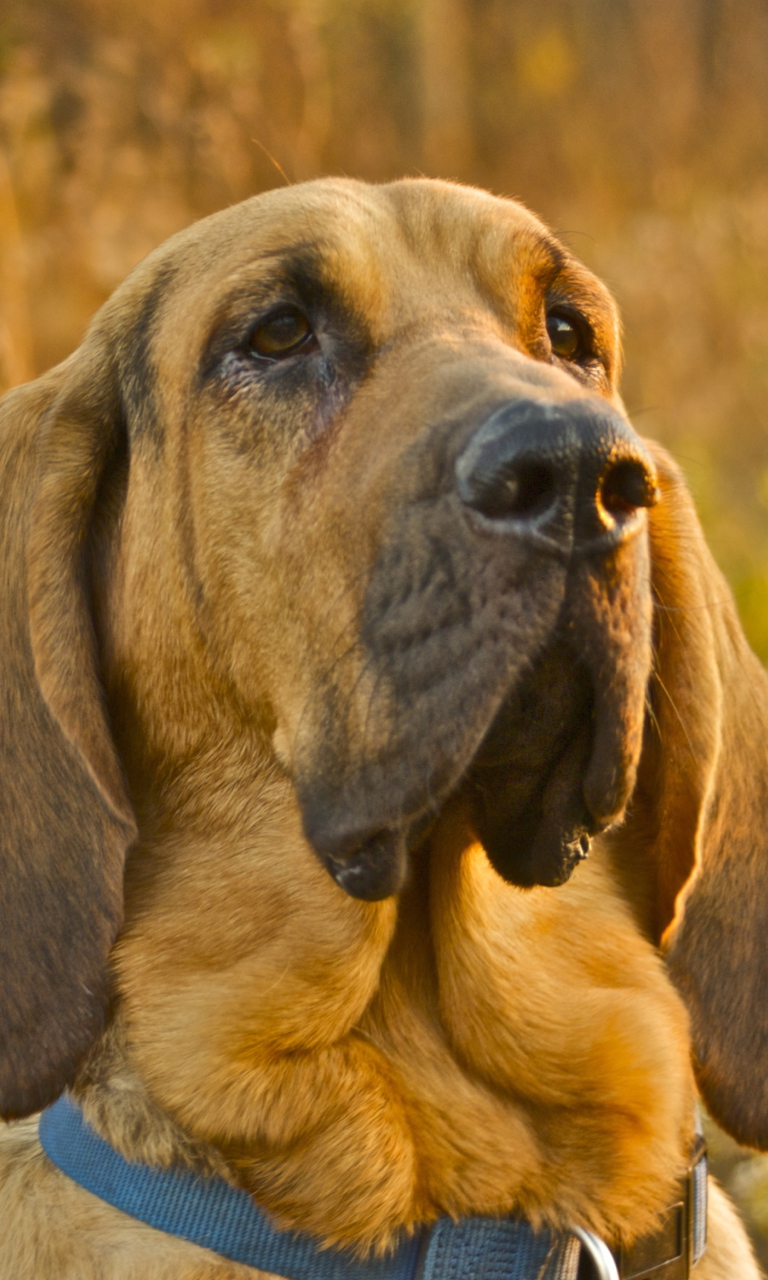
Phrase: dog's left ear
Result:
[700,813]
[65,820]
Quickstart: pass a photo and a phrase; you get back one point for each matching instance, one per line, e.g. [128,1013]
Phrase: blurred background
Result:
[638,130]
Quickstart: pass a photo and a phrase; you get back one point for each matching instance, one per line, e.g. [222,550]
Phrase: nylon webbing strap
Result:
[211,1213]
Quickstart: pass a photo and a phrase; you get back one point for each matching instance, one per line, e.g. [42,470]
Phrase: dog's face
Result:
[331,550]
[387,459]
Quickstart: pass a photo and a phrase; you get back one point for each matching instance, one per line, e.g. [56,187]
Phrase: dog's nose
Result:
[571,475]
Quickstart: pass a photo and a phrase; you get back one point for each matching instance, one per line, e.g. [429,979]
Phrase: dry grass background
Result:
[638,129]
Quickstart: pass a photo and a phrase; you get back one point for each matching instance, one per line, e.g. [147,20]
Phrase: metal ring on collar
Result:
[600,1255]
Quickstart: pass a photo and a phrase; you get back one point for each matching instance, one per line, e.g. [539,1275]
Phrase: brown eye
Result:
[564,337]
[282,334]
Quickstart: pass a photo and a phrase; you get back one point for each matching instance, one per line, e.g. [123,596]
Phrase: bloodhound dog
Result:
[343,615]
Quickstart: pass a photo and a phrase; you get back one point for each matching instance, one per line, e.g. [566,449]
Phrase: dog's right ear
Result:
[65,820]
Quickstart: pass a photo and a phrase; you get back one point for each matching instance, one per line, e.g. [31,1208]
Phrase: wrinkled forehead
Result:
[390,255]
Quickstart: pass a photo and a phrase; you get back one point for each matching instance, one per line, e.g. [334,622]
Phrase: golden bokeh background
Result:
[637,128]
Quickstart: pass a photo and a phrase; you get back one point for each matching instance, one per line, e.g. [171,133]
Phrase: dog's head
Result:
[339,489]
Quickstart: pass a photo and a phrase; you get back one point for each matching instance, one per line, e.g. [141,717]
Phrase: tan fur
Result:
[464,1047]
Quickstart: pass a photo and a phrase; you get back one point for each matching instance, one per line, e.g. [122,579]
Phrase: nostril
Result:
[627,485]
[519,489]
[567,477]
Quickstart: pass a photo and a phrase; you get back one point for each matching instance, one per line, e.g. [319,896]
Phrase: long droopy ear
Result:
[700,812]
[65,820]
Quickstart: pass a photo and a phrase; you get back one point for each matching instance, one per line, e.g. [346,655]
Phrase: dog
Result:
[384,767]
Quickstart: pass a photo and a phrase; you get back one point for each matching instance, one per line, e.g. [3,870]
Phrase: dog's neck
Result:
[118,1106]
[418,1058]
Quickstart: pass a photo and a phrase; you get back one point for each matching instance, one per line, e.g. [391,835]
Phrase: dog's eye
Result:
[282,334]
[565,336]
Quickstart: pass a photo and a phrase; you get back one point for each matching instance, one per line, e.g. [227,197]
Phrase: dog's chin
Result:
[524,788]
[539,846]
[534,851]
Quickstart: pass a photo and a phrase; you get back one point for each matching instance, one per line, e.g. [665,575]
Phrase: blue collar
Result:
[207,1211]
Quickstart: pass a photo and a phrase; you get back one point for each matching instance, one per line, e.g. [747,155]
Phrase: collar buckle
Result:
[668,1253]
